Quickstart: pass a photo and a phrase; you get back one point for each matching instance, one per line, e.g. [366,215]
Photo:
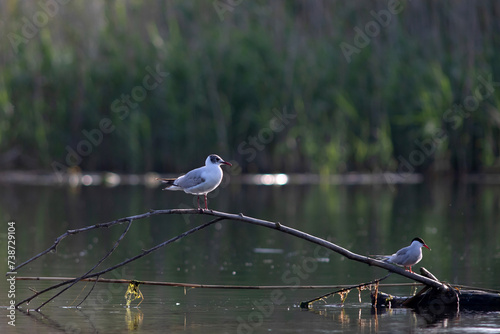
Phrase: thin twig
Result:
[307,303]
[376,295]
[80,230]
[208,286]
[88,294]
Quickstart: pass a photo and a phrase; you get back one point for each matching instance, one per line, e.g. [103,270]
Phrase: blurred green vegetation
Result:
[418,94]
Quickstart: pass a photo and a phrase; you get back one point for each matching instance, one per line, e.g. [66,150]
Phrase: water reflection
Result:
[235,312]
[133,318]
[268,179]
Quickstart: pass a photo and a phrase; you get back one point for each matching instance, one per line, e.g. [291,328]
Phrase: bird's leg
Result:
[199,207]
[206,205]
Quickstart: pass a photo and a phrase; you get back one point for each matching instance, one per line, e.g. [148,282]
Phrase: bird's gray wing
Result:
[191,179]
[401,255]
[402,252]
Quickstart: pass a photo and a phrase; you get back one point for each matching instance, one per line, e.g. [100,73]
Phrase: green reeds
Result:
[406,99]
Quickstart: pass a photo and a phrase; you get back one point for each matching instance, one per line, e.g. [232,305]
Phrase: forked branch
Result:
[220,216]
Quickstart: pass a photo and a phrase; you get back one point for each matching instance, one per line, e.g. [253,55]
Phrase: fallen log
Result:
[470,300]
[435,301]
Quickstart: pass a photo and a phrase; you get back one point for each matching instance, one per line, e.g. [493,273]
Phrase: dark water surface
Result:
[461,223]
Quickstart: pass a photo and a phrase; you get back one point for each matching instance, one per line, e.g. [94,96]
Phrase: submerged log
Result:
[470,300]
[436,301]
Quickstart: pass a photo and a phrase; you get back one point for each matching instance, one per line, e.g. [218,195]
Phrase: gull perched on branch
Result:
[199,181]
[407,256]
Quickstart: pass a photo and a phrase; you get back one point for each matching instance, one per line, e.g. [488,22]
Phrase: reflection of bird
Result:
[407,256]
[199,181]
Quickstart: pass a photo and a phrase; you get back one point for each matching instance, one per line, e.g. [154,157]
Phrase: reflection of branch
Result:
[221,216]
[42,319]
[307,303]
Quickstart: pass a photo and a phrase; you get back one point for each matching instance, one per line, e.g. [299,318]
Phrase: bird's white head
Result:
[420,242]
[214,159]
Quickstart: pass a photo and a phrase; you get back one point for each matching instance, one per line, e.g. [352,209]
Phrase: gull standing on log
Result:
[407,256]
[199,181]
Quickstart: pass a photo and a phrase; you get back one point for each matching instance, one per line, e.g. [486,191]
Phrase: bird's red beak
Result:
[427,247]
[226,163]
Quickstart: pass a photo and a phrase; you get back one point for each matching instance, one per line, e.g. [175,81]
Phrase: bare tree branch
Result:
[80,230]
[221,216]
[76,280]
[327,244]
[144,253]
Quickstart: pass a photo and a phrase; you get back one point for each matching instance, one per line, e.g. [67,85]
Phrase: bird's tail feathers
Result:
[381,257]
[169,182]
